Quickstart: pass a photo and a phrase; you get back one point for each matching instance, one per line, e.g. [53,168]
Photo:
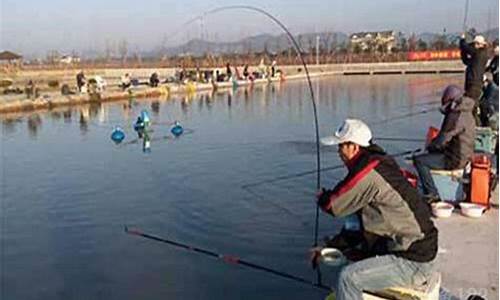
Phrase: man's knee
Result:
[417,159]
[420,160]
[348,276]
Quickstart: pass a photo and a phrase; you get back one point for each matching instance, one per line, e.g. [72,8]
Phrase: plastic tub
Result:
[442,209]
[472,210]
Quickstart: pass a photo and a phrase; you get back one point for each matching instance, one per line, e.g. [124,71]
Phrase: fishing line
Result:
[281,207]
[400,117]
[301,174]
[291,176]
[250,189]
[398,139]
[230,259]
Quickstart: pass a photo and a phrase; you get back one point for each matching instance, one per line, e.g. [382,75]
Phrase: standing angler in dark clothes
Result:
[395,234]
[474,57]
[229,73]
[488,105]
[493,66]
[454,146]
[154,80]
[80,80]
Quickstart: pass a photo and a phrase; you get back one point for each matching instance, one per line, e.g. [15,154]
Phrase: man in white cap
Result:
[389,229]
[474,56]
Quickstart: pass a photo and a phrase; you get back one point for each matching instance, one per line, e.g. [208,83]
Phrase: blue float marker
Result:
[177,129]
[117,135]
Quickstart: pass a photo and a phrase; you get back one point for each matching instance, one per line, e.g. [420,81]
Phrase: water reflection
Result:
[34,122]
[84,119]
[67,116]
[103,113]
[185,105]
[208,100]
[201,102]
[126,107]
[146,143]
[55,115]
[342,96]
[229,99]
[155,107]
[9,125]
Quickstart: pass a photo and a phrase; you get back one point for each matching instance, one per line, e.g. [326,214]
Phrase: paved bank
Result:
[55,99]
[112,76]
[468,257]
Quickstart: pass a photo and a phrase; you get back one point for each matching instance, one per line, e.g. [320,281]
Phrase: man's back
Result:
[458,132]
[475,60]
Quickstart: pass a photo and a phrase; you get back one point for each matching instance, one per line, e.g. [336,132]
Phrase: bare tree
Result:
[440,42]
[300,39]
[108,50]
[266,48]
[311,42]
[327,38]
[53,56]
[412,42]
[123,49]
[421,45]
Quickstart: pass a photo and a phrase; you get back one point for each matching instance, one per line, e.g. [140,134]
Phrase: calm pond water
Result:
[67,190]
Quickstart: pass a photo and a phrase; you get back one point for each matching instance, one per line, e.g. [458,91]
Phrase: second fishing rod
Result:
[306,173]
[230,259]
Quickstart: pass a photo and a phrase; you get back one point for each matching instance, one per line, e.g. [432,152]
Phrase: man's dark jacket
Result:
[475,59]
[457,135]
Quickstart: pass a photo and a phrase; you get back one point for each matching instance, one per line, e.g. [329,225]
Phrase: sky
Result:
[34,27]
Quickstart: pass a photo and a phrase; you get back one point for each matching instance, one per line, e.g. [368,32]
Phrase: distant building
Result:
[374,41]
[7,57]
[69,59]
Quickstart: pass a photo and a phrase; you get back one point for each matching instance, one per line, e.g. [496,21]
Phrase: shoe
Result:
[429,199]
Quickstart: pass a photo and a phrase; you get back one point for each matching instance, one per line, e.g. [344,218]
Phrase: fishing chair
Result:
[450,184]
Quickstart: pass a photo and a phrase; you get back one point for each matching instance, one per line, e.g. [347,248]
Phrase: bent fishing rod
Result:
[299,51]
[230,259]
[466,13]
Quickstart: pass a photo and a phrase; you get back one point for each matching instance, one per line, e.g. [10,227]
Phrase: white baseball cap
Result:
[479,39]
[351,130]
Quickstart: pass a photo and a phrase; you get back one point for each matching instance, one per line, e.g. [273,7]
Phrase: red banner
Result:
[434,55]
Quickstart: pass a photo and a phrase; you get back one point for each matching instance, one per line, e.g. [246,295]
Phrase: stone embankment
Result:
[51,97]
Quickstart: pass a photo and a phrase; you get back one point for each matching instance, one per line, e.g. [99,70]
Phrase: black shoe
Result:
[429,199]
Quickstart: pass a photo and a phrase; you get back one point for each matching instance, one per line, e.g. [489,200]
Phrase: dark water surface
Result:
[67,190]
